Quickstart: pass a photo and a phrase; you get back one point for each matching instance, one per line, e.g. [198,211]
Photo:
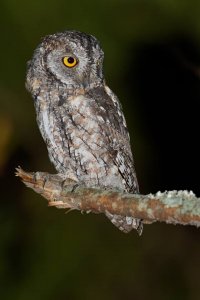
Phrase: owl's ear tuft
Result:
[28,63]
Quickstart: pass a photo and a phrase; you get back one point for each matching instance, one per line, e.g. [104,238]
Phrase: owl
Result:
[80,118]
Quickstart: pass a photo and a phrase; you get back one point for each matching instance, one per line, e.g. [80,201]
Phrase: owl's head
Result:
[71,58]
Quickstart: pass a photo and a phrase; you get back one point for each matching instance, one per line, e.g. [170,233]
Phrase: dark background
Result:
[152,59]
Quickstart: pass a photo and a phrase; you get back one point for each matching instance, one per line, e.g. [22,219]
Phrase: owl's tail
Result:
[125,224]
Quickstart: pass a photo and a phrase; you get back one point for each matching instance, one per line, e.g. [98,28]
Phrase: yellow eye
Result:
[70,61]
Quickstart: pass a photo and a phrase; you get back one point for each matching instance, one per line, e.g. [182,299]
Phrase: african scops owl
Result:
[80,118]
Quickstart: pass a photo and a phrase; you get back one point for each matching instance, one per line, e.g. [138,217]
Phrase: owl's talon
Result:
[75,187]
[69,210]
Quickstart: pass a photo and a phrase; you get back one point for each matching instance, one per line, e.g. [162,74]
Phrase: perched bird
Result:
[80,118]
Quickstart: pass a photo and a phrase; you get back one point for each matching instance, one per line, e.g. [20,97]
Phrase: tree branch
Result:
[176,207]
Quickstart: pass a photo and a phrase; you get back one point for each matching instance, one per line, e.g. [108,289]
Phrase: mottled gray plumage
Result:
[80,118]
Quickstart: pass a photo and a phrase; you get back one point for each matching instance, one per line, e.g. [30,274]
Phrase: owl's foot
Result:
[126,224]
[69,176]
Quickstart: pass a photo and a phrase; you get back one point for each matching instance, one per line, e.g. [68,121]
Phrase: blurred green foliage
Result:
[44,253]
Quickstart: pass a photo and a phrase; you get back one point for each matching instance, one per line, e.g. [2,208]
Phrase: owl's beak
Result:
[84,80]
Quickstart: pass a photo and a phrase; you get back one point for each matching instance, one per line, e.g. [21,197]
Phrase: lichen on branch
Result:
[176,207]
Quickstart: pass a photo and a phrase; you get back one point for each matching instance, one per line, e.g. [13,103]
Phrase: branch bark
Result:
[176,207]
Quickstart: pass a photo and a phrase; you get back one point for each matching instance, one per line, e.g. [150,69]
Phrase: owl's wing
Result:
[114,129]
